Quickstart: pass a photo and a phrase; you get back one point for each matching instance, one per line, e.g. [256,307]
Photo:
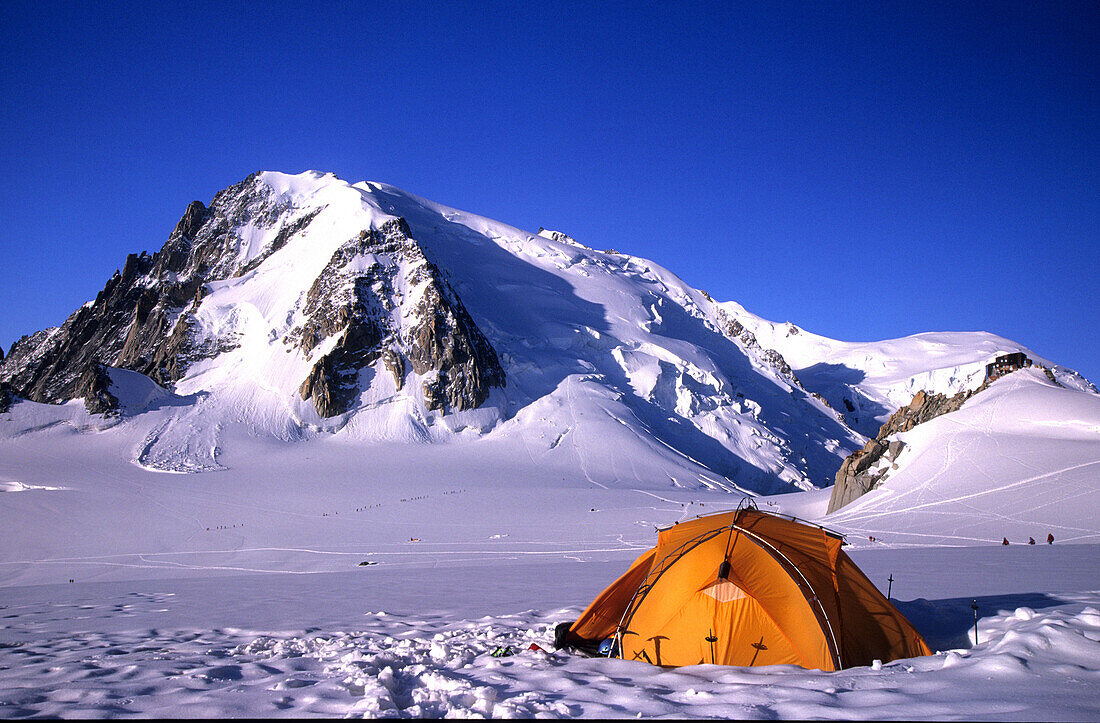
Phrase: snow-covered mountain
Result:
[297,307]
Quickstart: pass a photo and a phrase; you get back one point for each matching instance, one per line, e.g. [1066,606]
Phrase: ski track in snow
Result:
[872,508]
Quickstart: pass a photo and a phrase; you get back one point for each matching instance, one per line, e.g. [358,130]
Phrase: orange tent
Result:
[746,588]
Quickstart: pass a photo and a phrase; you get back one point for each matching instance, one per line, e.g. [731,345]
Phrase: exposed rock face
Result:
[5,398]
[369,309]
[95,388]
[139,320]
[862,470]
[865,468]
[558,236]
[736,330]
[25,357]
[378,295]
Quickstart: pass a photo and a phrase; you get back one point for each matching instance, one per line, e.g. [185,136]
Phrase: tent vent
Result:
[724,591]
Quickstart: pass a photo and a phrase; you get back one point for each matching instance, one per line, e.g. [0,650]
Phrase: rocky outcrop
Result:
[94,388]
[378,298]
[446,341]
[558,236]
[25,357]
[398,308]
[736,330]
[862,471]
[825,402]
[6,398]
[331,384]
[395,365]
[866,468]
[141,319]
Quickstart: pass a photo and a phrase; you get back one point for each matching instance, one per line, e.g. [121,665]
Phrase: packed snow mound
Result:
[1019,460]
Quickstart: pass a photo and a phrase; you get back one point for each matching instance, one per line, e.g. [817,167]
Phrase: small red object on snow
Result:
[535,647]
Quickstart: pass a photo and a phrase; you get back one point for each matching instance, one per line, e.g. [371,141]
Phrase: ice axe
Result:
[712,639]
[759,646]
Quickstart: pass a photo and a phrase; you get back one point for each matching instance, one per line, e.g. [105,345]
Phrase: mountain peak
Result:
[298,305]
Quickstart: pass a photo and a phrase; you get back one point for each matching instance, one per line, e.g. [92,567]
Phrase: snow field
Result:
[147,649]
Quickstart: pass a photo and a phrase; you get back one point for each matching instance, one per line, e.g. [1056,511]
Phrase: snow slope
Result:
[1019,460]
[240,592]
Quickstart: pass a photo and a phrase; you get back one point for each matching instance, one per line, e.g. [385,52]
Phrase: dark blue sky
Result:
[864,170]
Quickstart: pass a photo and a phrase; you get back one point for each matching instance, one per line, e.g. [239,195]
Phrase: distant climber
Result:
[1004,540]
[1050,538]
[1031,540]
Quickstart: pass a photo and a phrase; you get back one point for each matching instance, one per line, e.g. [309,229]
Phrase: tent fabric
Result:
[602,617]
[789,595]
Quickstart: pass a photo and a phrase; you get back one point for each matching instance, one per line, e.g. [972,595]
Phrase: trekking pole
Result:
[890,586]
[974,607]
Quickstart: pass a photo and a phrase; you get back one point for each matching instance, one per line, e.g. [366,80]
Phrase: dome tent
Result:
[745,588]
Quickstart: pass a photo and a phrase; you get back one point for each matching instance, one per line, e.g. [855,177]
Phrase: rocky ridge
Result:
[144,319]
[771,358]
[867,468]
[140,320]
[364,307]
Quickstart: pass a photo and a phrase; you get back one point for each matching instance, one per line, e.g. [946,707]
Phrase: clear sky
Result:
[864,170]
